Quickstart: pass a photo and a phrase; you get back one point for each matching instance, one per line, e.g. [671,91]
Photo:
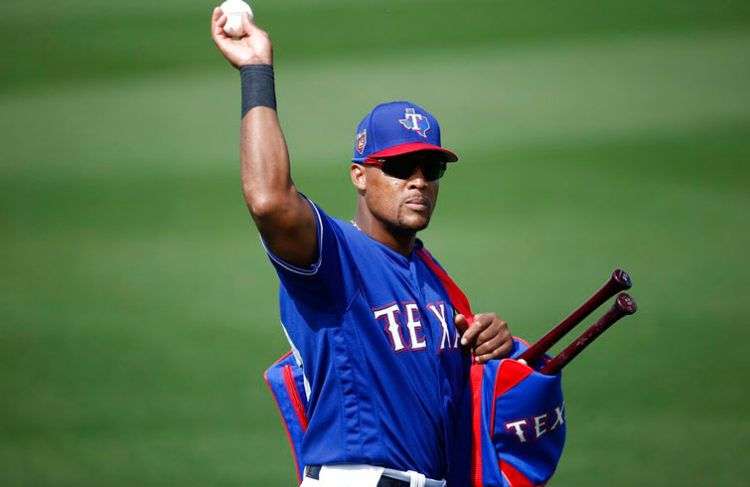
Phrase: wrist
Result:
[253,60]
[254,63]
[258,87]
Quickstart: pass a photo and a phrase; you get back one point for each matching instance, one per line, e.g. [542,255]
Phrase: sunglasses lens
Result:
[404,169]
[399,169]
[433,171]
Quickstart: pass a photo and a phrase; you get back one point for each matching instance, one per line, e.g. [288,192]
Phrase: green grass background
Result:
[137,311]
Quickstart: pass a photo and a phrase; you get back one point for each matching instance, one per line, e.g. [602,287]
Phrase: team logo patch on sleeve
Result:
[415,121]
[361,141]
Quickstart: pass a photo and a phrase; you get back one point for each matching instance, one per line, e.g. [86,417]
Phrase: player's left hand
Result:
[488,337]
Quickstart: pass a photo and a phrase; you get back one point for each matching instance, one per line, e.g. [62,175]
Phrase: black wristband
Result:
[257,87]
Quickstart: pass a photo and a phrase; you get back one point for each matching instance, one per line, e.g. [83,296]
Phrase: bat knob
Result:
[626,304]
[622,278]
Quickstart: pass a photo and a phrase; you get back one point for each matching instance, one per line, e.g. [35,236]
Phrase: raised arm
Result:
[285,220]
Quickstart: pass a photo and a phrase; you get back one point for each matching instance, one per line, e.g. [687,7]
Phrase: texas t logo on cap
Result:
[415,121]
[397,128]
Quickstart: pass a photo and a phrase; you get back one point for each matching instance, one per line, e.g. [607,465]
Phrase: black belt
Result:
[313,471]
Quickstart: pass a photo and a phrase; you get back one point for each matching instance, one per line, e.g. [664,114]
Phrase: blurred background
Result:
[138,311]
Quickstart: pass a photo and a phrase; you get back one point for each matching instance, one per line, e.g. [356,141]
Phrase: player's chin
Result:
[414,221]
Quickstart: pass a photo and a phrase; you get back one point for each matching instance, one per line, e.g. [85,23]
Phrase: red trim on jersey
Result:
[291,389]
[514,477]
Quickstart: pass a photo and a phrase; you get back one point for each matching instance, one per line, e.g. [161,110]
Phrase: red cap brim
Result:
[410,147]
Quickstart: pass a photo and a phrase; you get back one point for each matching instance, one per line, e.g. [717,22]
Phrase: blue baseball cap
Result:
[396,128]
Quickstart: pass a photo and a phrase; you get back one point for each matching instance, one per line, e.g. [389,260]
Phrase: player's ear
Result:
[359,176]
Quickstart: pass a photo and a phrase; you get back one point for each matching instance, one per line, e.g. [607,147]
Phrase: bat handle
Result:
[623,306]
[618,281]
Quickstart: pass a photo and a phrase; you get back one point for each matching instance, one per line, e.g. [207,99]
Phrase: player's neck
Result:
[401,242]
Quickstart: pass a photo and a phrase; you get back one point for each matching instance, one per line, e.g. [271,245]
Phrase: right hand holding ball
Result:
[234,10]
[237,37]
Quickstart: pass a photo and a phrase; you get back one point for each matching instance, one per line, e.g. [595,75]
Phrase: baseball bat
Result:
[618,281]
[624,306]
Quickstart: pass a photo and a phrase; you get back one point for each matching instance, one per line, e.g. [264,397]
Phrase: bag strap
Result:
[458,299]
[461,303]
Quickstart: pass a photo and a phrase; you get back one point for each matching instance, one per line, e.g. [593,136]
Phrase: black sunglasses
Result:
[402,168]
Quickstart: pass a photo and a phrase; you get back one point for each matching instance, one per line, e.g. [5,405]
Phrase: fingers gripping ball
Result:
[234,10]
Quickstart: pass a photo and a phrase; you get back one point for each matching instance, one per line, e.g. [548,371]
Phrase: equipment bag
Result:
[284,379]
[518,416]
[520,433]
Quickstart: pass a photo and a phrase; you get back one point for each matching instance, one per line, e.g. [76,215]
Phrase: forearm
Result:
[266,181]
[265,168]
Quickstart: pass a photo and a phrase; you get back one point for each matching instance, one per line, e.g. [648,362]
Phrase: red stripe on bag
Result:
[509,374]
[513,372]
[476,376]
[514,477]
[291,389]
[283,423]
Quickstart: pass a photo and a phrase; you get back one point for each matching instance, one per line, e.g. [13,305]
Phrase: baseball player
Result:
[385,367]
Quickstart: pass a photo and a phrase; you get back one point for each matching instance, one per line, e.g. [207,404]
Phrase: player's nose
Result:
[417,178]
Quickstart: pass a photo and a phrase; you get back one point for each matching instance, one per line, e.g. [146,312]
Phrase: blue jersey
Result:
[385,377]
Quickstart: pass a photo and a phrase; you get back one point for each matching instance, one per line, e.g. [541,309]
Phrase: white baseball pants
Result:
[365,476]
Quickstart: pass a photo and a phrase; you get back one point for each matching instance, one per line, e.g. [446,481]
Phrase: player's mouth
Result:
[419,203]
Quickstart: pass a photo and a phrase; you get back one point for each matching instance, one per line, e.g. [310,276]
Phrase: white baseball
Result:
[234,10]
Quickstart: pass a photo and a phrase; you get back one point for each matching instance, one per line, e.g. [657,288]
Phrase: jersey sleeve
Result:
[328,283]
